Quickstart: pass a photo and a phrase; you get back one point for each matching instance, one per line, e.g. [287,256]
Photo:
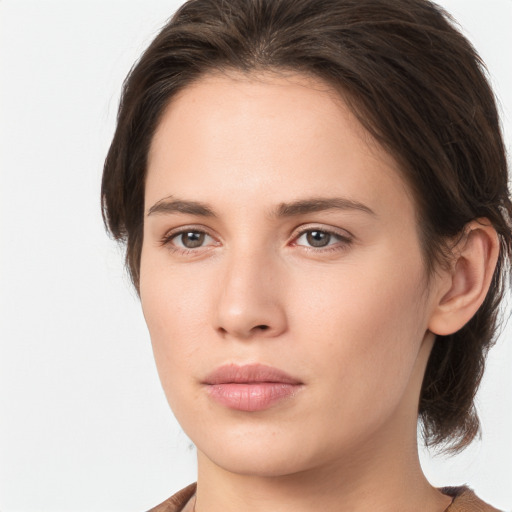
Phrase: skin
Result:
[354,321]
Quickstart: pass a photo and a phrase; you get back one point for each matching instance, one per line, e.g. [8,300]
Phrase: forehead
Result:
[270,100]
[281,134]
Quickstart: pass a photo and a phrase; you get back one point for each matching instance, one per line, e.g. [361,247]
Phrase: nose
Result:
[250,301]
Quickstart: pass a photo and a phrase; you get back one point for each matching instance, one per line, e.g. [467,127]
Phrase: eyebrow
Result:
[318,204]
[168,205]
[295,208]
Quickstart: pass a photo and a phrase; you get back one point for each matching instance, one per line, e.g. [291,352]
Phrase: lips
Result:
[249,388]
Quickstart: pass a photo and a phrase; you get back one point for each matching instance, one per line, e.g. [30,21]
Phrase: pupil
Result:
[192,239]
[318,238]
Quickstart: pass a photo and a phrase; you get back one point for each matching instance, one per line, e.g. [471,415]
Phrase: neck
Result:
[385,481]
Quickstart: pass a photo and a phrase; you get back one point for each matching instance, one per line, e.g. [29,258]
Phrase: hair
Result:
[413,81]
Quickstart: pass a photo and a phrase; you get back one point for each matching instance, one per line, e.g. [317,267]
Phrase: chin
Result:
[262,452]
[274,462]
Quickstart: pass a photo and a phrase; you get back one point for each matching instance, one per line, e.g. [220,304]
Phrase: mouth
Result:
[250,388]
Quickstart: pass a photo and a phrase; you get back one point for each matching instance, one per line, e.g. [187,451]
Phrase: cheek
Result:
[367,291]
[365,325]
[174,315]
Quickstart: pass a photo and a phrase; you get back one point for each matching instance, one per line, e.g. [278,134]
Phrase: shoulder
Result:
[177,502]
[465,500]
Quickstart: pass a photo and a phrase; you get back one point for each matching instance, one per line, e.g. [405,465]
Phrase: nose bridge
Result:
[249,302]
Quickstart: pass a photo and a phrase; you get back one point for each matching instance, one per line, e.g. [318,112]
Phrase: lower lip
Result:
[253,396]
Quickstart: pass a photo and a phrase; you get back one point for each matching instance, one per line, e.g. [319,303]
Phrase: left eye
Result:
[318,238]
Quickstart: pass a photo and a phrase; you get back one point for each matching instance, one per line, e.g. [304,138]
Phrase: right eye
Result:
[187,240]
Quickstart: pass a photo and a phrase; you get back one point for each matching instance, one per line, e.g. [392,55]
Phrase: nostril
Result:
[262,327]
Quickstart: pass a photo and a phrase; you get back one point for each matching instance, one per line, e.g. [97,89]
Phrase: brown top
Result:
[464,500]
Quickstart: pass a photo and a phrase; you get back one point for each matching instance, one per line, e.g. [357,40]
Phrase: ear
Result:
[463,288]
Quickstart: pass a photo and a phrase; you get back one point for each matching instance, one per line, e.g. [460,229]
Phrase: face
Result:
[281,277]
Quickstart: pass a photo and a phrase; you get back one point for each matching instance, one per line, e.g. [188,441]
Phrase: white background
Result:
[84,425]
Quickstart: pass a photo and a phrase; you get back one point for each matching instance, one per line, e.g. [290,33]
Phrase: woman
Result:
[313,194]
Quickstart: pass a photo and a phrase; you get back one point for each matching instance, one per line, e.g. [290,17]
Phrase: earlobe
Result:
[464,287]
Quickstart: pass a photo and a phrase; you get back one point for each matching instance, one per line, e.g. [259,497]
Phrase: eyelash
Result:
[345,240]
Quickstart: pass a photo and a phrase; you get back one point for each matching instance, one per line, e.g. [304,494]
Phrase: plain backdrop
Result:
[84,425]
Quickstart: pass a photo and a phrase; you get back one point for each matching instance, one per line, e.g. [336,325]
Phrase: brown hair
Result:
[413,81]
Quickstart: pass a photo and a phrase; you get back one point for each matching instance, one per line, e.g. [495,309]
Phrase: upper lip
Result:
[248,374]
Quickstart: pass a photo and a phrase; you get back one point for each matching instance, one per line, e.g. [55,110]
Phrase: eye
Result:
[190,239]
[187,240]
[321,238]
